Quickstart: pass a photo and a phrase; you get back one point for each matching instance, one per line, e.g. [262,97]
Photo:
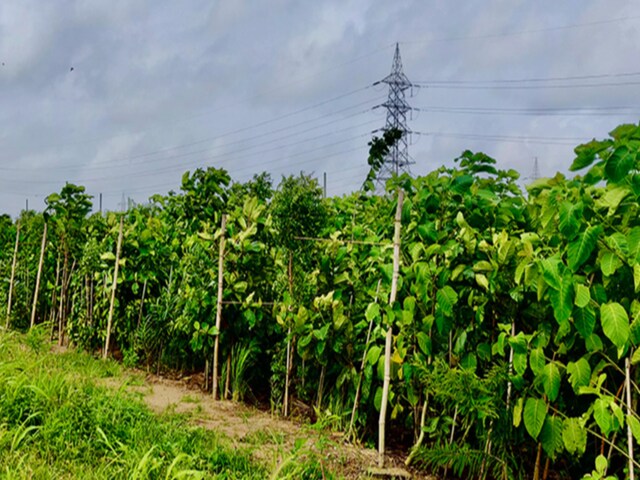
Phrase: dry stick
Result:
[38,275]
[356,400]
[13,274]
[206,375]
[627,373]
[113,290]
[453,431]
[216,344]
[387,347]
[289,352]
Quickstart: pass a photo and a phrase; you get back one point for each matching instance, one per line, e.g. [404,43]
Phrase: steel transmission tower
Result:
[397,160]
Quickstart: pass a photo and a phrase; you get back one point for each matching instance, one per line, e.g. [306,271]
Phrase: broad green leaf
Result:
[585,321]
[602,415]
[633,240]
[634,425]
[535,412]
[593,343]
[569,218]
[550,378]
[619,163]
[618,243]
[424,342]
[586,153]
[574,436]
[482,266]
[636,278]
[520,362]
[636,357]
[562,299]
[551,436]
[615,323]
[446,298]
[482,281]
[579,250]
[551,272]
[517,412]
[579,373]
[373,354]
[583,297]
[372,312]
[609,263]
[108,256]
[612,198]
[537,360]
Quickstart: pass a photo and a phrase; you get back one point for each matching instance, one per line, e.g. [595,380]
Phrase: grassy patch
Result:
[55,422]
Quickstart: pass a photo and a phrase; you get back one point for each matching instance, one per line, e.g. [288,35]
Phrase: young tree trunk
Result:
[38,275]
[287,377]
[13,274]
[63,294]
[144,291]
[54,299]
[321,386]
[216,344]
[389,337]
[356,400]
[113,290]
[627,373]
[227,382]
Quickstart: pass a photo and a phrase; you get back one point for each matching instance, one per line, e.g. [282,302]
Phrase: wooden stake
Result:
[113,290]
[13,274]
[627,380]
[389,337]
[38,275]
[216,345]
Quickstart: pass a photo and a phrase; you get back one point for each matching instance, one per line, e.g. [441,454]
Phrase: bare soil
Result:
[271,438]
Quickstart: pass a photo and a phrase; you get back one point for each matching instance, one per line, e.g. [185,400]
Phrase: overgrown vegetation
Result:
[57,422]
[515,329]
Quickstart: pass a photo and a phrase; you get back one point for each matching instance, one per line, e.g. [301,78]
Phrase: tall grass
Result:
[55,422]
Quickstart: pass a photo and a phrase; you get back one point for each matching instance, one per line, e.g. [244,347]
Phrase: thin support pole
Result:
[38,275]
[216,345]
[13,274]
[113,289]
[389,336]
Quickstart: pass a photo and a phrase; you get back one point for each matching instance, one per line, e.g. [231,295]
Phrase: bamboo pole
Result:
[13,274]
[356,400]
[627,374]
[38,275]
[113,290]
[389,337]
[216,345]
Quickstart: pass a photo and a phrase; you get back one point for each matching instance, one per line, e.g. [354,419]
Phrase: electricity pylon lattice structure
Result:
[397,161]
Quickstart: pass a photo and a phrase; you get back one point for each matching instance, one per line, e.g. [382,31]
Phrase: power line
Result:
[526,87]
[579,112]
[241,141]
[525,32]
[535,79]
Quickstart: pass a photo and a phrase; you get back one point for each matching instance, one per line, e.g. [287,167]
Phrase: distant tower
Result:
[398,159]
[536,171]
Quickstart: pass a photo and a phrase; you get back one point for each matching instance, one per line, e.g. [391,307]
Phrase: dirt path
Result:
[270,438]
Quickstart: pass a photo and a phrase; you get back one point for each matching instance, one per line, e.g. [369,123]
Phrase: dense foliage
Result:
[515,330]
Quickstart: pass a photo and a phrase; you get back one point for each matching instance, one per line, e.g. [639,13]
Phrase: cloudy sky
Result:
[124,96]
